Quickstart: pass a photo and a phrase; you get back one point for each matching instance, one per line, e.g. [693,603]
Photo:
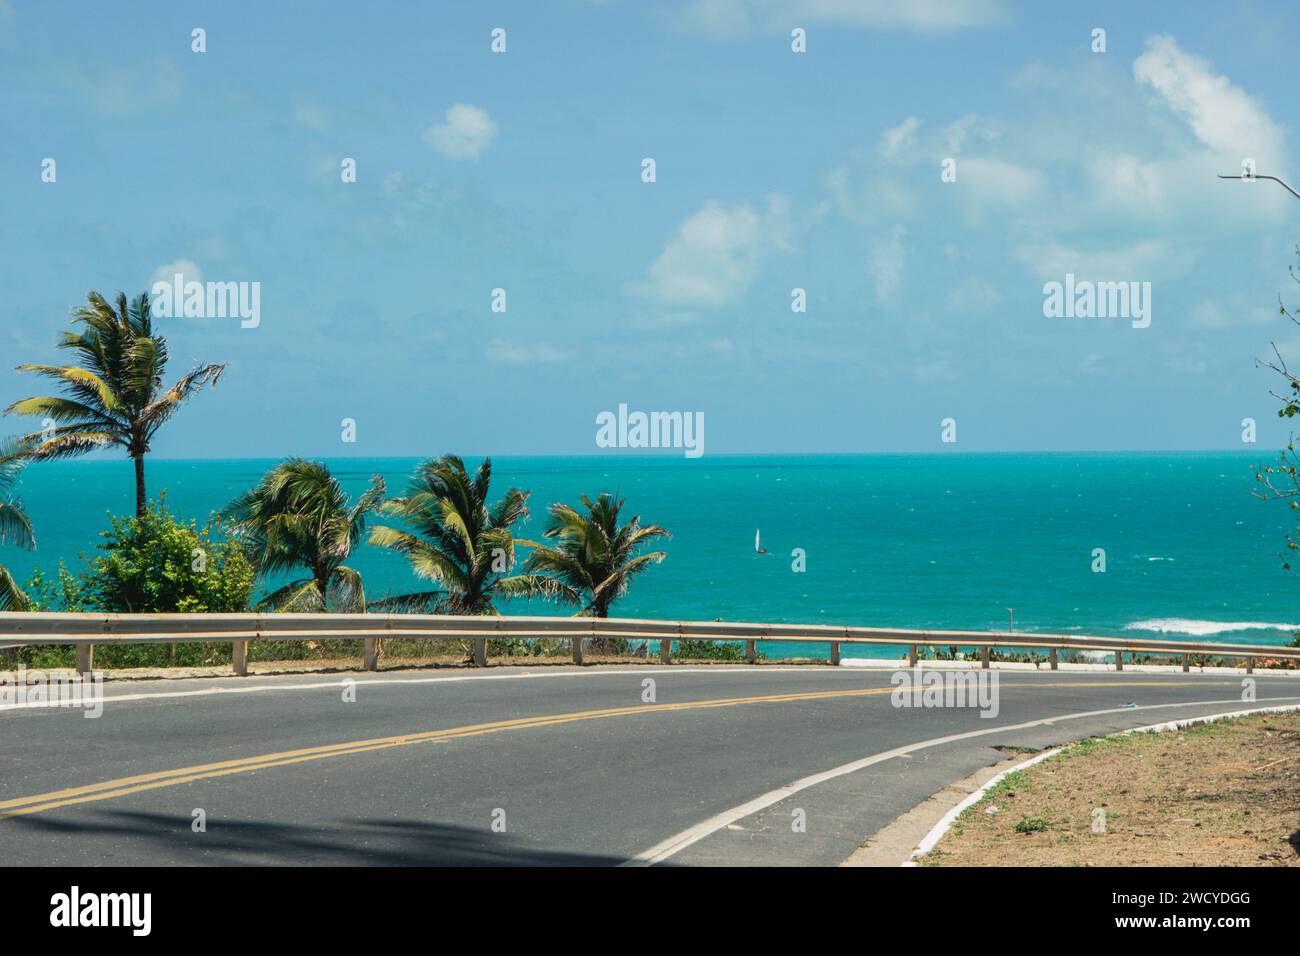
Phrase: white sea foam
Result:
[1182,625]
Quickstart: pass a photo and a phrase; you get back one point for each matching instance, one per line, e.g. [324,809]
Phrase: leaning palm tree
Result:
[114,394]
[298,516]
[595,558]
[15,526]
[457,541]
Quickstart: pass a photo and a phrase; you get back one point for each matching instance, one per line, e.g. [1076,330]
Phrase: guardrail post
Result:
[1119,660]
[480,652]
[666,648]
[1187,662]
[576,643]
[835,653]
[911,655]
[751,652]
[1250,665]
[985,656]
[370,654]
[85,658]
[239,658]
[1051,656]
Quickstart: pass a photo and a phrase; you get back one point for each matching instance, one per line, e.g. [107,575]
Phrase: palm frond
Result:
[538,586]
[86,378]
[346,590]
[12,597]
[295,596]
[161,408]
[420,603]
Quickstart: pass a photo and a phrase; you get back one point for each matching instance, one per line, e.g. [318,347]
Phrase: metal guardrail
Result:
[86,630]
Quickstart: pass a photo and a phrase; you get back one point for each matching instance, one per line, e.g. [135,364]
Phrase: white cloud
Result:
[869,198]
[1223,117]
[1211,314]
[714,256]
[1104,167]
[900,137]
[1211,126]
[886,263]
[991,183]
[1139,261]
[971,125]
[466,132]
[188,270]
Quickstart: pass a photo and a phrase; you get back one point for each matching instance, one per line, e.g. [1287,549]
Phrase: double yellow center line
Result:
[124,786]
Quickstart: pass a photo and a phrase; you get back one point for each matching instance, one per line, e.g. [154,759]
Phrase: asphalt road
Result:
[543,766]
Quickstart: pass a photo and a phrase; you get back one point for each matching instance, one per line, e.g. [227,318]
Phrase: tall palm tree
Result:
[298,516]
[15,526]
[114,394]
[457,541]
[594,558]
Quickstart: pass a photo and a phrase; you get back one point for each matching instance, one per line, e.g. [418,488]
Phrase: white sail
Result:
[757,533]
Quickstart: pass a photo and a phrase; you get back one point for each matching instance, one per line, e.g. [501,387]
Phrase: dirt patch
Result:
[1221,794]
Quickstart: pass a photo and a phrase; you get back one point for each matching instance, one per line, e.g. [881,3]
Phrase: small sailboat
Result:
[758,547]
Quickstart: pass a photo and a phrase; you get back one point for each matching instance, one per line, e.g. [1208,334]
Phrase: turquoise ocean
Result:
[918,541]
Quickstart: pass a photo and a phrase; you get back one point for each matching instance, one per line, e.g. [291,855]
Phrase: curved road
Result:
[571,764]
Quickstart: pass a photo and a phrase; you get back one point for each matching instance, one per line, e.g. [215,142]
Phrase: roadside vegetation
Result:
[15,526]
[114,394]
[457,542]
[299,518]
[296,522]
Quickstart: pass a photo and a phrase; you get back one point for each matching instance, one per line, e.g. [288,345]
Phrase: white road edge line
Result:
[675,844]
[945,823]
[399,681]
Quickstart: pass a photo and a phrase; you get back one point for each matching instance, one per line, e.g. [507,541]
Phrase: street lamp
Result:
[1262,176]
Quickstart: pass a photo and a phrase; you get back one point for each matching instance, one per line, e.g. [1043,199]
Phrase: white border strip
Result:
[945,823]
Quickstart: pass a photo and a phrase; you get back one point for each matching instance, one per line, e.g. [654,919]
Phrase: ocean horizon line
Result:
[671,455]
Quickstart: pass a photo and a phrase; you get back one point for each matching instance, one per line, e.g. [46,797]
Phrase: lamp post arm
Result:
[1262,176]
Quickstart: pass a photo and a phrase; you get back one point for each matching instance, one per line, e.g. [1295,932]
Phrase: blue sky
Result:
[775,170]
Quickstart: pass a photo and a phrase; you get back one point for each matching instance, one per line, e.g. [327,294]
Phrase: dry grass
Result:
[1222,794]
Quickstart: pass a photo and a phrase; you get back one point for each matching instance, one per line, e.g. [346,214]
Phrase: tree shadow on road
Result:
[123,838]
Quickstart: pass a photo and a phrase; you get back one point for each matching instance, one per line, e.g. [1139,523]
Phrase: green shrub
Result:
[1031,825]
[154,564]
[712,650]
[157,564]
